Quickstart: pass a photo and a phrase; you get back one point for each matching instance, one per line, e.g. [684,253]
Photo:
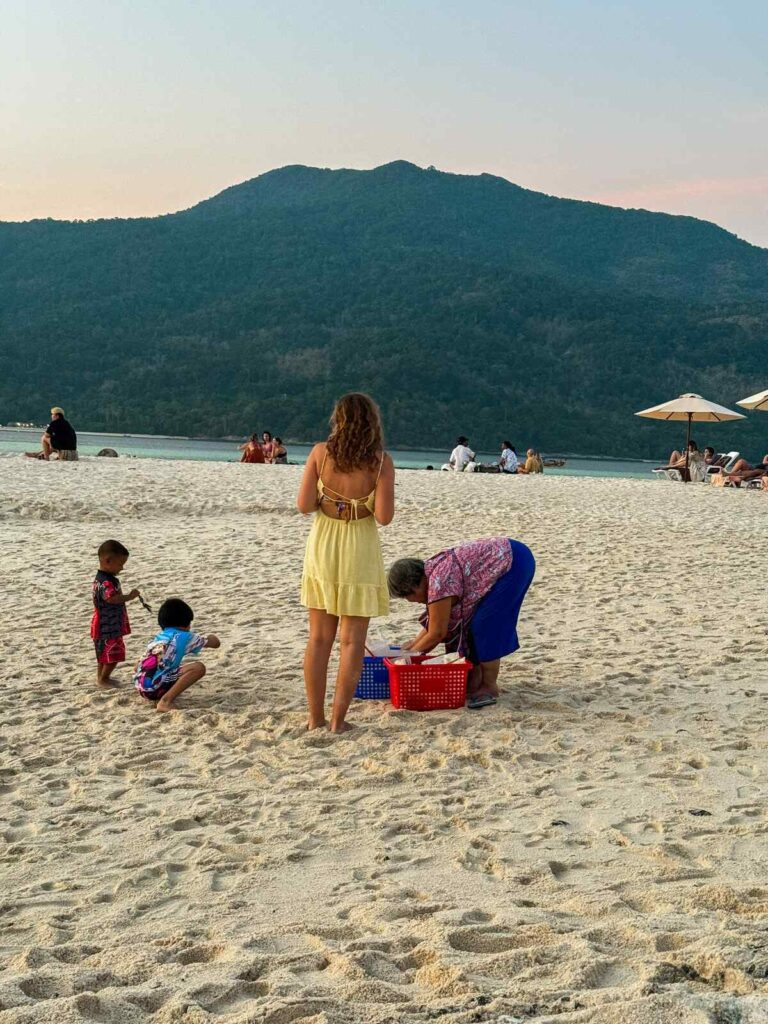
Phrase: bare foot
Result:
[312,724]
[107,684]
[164,705]
[341,727]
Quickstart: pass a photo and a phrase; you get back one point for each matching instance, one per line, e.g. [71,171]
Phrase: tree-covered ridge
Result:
[464,303]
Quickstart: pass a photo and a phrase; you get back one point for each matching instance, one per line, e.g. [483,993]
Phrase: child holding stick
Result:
[109,623]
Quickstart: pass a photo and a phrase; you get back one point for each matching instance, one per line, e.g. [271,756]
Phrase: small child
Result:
[110,620]
[160,677]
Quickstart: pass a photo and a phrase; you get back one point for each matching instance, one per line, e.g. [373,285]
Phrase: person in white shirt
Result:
[462,458]
[508,461]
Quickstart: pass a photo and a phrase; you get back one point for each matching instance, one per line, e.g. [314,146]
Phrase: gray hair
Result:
[404,576]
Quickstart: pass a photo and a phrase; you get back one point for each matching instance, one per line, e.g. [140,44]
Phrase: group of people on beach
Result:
[463,460]
[472,592]
[695,465]
[264,449]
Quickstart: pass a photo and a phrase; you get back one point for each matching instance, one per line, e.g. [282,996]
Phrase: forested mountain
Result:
[463,303]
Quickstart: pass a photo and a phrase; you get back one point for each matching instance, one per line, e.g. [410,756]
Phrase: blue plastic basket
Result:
[374,680]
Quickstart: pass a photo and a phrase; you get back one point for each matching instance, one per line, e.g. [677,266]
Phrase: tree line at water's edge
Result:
[463,304]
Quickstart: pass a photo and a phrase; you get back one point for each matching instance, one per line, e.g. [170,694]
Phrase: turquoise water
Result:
[140,446]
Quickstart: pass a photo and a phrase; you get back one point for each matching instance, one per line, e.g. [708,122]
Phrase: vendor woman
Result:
[473,594]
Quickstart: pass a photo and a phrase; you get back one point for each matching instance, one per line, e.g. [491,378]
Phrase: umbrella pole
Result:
[687,475]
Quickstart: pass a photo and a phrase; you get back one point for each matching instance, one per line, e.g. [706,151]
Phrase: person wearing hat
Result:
[59,438]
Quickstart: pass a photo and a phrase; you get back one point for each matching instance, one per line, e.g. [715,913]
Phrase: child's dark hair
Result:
[175,613]
[113,549]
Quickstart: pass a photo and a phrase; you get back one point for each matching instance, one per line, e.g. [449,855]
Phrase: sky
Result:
[123,109]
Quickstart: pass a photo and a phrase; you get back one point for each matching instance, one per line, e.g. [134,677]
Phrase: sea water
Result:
[147,446]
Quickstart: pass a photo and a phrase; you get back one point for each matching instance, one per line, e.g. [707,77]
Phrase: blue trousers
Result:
[493,627]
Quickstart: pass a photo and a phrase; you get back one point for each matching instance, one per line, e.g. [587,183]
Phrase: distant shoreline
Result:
[308,444]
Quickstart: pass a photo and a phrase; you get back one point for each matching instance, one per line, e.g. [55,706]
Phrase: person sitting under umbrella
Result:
[677,459]
[689,408]
[690,467]
[59,439]
[473,593]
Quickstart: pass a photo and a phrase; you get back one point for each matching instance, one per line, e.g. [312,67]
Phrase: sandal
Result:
[475,703]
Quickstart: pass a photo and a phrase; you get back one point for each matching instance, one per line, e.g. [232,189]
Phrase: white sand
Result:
[538,861]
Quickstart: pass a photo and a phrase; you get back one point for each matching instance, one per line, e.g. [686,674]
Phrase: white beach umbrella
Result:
[690,408]
[758,401]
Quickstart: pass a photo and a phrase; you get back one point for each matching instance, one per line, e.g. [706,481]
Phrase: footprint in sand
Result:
[561,871]
[493,939]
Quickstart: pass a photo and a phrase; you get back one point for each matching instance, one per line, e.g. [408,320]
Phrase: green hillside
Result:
[463,303]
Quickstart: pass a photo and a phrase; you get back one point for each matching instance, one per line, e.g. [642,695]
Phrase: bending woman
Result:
[473,594]
[343,584]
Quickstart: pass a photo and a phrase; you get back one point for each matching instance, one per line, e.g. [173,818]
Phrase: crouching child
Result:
[161,677]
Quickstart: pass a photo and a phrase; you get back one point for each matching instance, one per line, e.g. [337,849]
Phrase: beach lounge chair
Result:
[696,473]
[721,464]
[668,474]
[724,462]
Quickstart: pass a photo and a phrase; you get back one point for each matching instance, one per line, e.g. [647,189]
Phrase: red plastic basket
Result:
[427,687]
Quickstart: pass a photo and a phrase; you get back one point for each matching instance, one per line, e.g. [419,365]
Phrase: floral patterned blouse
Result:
[468,572]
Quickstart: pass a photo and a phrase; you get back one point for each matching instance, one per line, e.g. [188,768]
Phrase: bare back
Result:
[346,495]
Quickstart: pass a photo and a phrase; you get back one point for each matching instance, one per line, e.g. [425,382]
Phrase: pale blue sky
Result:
[112,108]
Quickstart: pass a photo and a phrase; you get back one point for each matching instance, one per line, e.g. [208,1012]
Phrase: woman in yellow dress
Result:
[343,584]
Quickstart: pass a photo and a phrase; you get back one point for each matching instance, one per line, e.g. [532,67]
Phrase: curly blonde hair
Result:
[356,440]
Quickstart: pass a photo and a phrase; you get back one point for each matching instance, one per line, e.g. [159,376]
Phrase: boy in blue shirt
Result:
[160,676]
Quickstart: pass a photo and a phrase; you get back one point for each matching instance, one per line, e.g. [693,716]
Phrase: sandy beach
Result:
[594,849]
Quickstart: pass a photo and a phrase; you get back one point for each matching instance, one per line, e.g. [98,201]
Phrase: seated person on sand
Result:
[252,450]
[59,439]
[279,453]
[462,457]
[267,446]
[508,461]
[533,463]
[473,594]
[744,470]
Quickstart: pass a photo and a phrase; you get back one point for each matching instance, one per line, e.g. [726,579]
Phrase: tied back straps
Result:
[347,509]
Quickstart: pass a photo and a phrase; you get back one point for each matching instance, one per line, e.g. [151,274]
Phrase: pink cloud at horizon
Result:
[720,187]
[733,203]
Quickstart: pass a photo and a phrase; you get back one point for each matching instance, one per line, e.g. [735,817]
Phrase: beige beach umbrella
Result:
[690,408]
[758,401]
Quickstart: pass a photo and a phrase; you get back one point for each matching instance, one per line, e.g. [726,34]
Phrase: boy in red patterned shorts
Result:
[110,620]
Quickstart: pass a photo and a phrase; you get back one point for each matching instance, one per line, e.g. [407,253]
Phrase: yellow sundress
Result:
[343,568]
